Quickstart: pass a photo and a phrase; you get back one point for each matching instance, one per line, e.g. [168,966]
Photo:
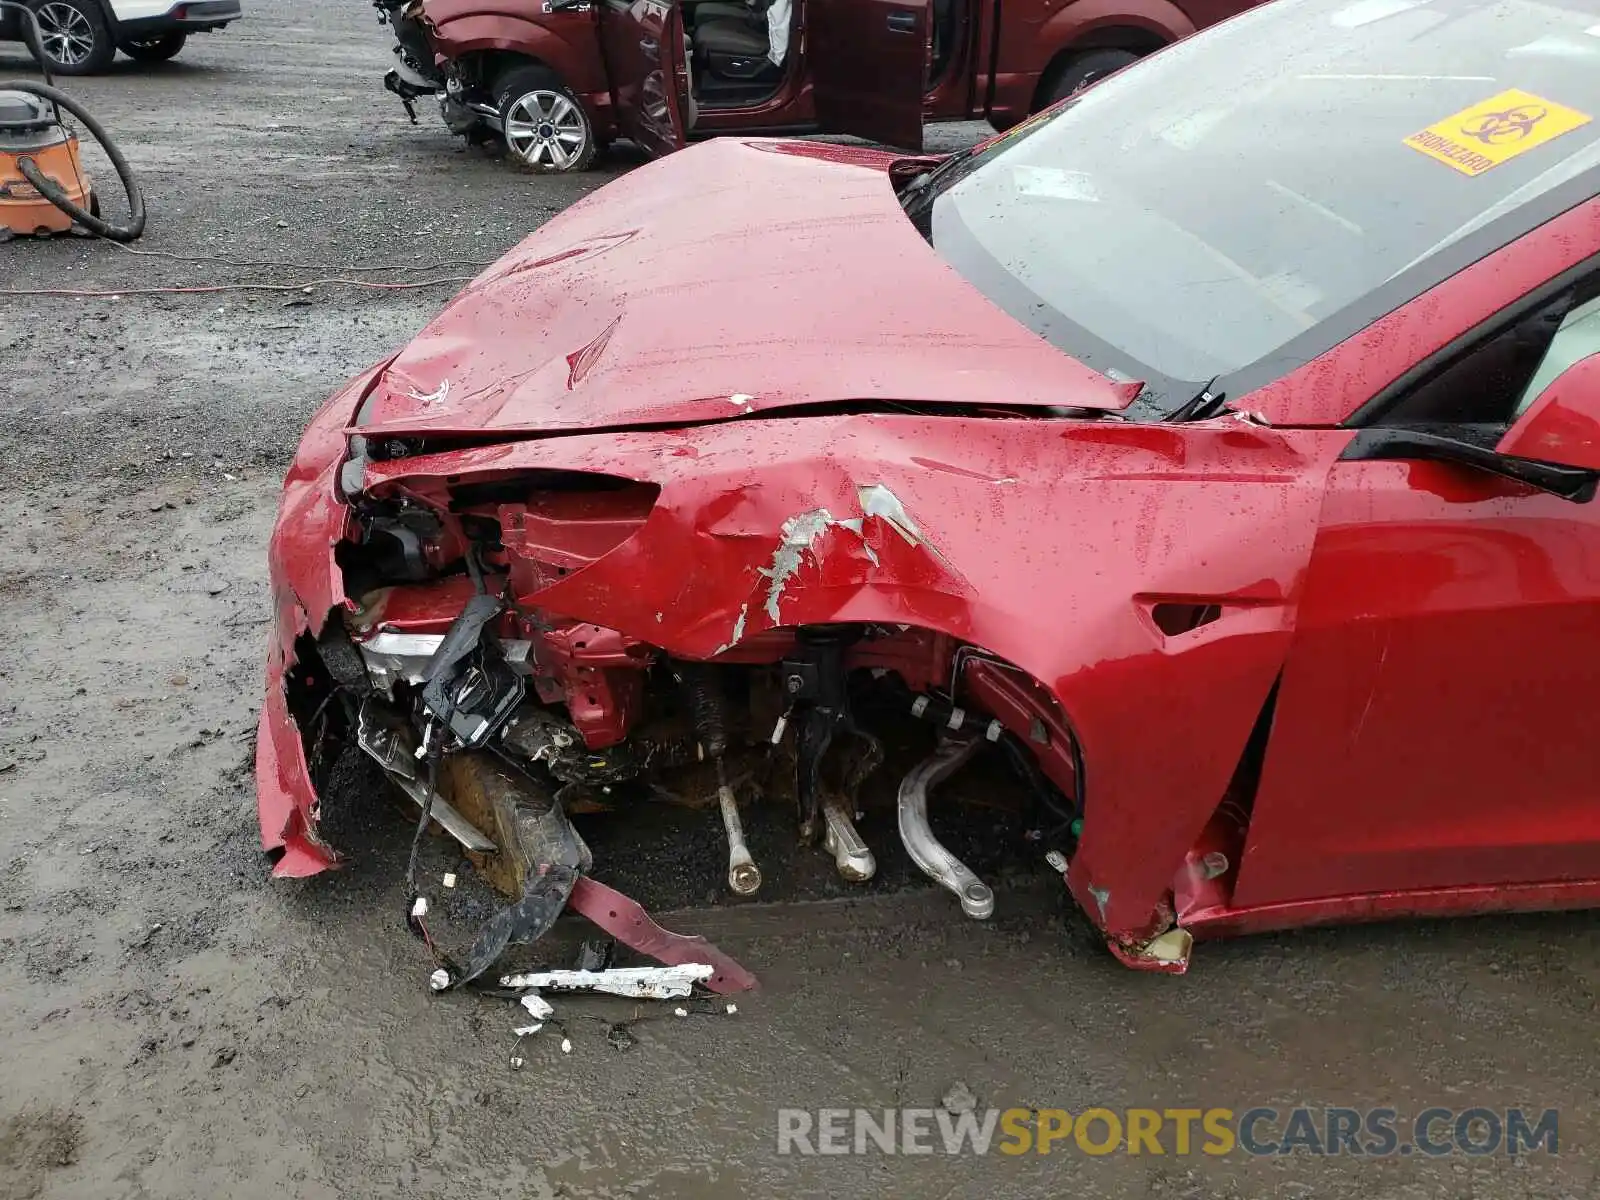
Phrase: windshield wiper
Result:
[1205,403]
[946,173]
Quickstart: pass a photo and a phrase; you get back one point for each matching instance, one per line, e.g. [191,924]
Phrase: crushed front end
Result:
[518,627]
[514,640]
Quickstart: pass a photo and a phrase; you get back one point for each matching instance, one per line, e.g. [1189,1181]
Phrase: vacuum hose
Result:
[47,187]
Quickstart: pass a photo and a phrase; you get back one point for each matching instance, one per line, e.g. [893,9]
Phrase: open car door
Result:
[869,67]
[642,41]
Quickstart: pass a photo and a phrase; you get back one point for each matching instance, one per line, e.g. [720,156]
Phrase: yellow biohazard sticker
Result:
[1496,130]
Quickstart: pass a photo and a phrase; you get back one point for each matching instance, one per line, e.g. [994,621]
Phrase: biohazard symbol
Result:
[1511,125]
[1496,130]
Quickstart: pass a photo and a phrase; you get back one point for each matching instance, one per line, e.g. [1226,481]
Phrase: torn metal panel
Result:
[1238,533]
[625,920]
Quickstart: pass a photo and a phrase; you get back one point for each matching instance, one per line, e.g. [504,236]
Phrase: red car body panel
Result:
[306,587]
[1349,589]
[1320,394]
[598,331]
[845,74]
[1422,785]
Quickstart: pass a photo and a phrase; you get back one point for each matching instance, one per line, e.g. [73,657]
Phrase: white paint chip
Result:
[738,629]
[797,538]
[438,396]
[878,501]
[638,983]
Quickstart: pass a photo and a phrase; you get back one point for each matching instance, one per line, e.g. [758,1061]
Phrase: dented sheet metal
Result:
[757,505]
[866,519]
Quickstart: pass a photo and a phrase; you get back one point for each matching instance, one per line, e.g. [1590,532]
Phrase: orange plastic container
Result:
[28,130]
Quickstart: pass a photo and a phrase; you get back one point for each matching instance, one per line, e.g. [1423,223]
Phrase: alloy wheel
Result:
[546,129]
[67,36]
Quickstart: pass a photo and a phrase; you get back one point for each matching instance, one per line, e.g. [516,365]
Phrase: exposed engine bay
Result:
[499,718]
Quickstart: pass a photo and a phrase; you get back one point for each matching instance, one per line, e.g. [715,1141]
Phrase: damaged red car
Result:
[1217,452]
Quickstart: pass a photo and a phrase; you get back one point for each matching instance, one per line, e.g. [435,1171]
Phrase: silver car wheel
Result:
[66,33]
[546,129]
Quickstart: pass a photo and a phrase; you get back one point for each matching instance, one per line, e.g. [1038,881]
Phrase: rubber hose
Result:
[47,187]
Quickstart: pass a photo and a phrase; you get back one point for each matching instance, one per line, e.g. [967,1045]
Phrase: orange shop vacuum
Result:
[43,187]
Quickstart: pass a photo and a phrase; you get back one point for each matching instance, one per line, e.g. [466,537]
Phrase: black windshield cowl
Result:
[1206,403]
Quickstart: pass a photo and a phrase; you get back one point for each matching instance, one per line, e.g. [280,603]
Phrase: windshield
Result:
[1203,210]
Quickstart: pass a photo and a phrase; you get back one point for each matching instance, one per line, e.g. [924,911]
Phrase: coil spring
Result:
[708,707]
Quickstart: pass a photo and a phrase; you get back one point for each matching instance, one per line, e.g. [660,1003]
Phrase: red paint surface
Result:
[1432,729]
[621,313]
[1562,425]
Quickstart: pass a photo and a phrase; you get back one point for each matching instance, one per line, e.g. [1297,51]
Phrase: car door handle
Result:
[903,22]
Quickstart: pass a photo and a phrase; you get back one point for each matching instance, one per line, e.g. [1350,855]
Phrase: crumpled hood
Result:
[729,279]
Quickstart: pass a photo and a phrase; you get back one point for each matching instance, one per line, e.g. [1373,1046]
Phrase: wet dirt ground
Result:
[176,1025]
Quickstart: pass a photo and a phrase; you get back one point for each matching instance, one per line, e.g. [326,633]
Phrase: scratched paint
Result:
[797,539]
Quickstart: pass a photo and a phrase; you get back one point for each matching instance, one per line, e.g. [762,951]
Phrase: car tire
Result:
[1079,71]
[76,37]
[160,48]
[544,125]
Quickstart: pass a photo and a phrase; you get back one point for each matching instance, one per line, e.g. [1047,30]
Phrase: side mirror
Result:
[1561,426]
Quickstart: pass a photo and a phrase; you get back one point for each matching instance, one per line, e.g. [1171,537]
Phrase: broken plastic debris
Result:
[639,983]
[538,1007]
[419,907]
[527,1030]
[449,879]
[959,1099]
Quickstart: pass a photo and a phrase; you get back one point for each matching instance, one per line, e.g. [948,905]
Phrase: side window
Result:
[1477,394]
[1576,339]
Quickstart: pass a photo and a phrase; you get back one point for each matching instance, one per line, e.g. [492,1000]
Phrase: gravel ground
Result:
[178,1026]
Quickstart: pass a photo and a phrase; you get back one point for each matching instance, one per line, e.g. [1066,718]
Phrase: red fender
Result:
[578,65]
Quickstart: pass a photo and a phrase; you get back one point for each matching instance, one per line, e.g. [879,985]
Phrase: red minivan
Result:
[559,79]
